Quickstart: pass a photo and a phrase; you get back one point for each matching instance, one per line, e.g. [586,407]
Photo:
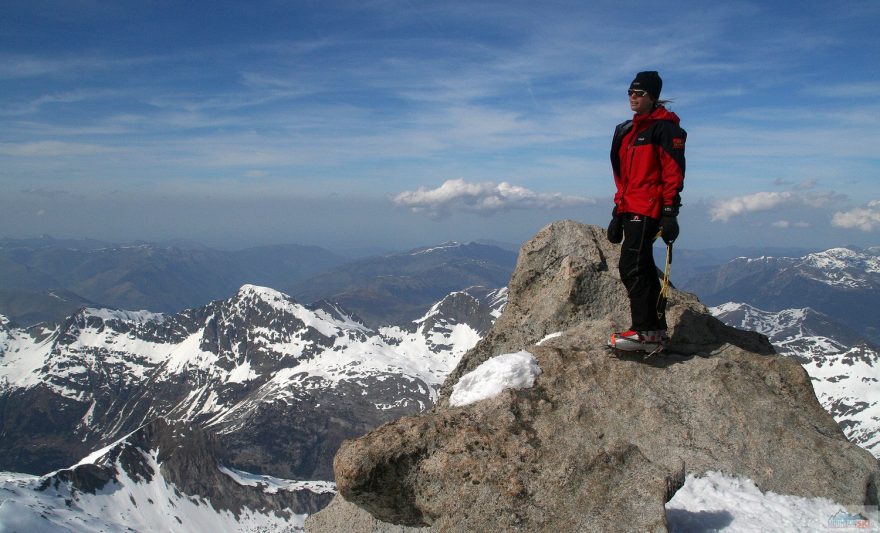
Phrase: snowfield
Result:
[716,502]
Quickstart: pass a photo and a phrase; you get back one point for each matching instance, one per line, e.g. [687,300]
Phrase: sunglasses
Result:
[637,92]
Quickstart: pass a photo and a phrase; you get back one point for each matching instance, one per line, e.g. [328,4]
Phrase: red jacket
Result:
[647,155]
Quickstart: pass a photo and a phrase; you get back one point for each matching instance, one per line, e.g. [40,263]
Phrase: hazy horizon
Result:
[356,252]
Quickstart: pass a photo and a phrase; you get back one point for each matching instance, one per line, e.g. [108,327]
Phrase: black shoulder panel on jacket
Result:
[672,138]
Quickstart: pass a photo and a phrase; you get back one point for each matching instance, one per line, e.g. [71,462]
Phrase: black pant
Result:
[639,273]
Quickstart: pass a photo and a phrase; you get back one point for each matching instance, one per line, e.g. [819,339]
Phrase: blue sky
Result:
[401,123]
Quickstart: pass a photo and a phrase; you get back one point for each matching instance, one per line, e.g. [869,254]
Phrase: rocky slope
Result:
[599,443]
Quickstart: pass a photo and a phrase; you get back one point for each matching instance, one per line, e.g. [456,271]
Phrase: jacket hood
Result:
[659,113]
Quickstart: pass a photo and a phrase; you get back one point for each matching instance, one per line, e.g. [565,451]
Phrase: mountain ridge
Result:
[244,367]
[404,283]
[160,278]
[840,282]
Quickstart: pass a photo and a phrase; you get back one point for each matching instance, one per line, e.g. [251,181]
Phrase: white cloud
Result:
[459,195]
[786,224]
[863,218]
[724,210]
[760,201]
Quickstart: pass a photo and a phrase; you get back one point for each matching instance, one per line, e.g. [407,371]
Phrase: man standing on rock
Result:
[647,156]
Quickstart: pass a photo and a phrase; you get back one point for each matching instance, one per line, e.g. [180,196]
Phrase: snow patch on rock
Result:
[507,371]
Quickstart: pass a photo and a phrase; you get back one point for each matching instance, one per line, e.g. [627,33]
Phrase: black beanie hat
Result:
[650,81]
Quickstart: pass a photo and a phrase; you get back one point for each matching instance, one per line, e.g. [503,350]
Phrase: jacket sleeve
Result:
[672,141]
[616,141]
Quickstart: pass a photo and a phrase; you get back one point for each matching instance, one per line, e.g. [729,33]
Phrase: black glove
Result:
[615,227]
[669,224]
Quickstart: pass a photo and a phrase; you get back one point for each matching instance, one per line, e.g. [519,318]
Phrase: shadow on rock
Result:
[682,521]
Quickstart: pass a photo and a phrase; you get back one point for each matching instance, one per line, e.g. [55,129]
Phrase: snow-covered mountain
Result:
[840,282]
[161,477]
[281,384]
[845,369]
[843,267]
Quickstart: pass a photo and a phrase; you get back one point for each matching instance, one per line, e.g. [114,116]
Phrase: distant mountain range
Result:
[60,274]
[396,288]
[45,280]
[842,283]
[32,307]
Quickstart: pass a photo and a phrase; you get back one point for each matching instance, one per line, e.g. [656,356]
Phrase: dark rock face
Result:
[600,443]
[37,426]
[467,307]
[298,438]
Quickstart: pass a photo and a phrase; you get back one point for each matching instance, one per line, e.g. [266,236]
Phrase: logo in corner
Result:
[678,143]
[845,520]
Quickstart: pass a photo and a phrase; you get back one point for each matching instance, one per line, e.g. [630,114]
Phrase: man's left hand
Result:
[669,225]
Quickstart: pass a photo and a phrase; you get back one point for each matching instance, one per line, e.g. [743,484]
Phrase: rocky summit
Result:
[599,442]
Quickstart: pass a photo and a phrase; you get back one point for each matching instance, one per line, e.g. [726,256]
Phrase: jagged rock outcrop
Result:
[599,443]
[566,276]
